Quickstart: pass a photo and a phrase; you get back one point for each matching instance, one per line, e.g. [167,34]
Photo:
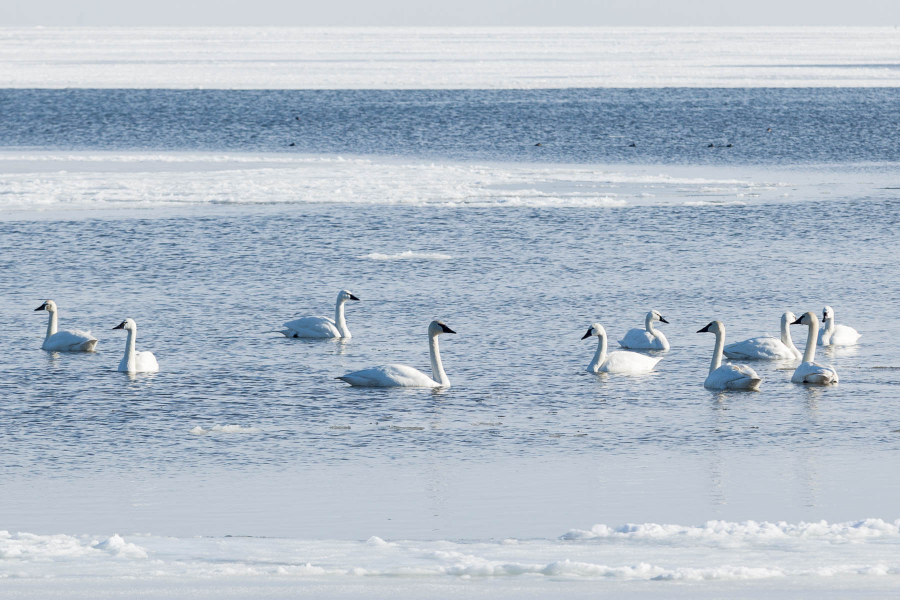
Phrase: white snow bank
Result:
[32,547]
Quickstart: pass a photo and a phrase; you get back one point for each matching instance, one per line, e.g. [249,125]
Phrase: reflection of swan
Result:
[135,362]
[810,371]
[767,347]
[321,327]
[71,340]
[647,338]
[727,376]
[616,362]
[836,335]
[403,376]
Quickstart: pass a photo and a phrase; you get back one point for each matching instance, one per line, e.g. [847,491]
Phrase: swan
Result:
[767,347]
[727,376]
[810,371]
[403,376]
[647,338]
[135,362]
[321,327]
[67,340]
[836,335]
[616,362]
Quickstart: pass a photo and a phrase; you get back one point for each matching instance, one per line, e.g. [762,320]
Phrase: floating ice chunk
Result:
[377,542]
[224,429]
[117,546]
[408,255]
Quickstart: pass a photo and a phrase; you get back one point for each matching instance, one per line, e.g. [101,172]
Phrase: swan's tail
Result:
[284,332]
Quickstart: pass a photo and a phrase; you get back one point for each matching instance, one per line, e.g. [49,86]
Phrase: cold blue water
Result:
[666,126]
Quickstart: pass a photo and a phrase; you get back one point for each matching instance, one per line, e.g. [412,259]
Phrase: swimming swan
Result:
[322,327]
[70,340]
[135,362]
[809,371]
[647,338]
[767,347]
[616,362]
[727,376]
[403,376]
[836,335]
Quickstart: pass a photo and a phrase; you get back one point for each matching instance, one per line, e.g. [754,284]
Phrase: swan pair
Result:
[73,340]
[617,362]
[392,375]
[769,348]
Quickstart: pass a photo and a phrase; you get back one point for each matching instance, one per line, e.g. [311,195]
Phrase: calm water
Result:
[573,126]
[525,444]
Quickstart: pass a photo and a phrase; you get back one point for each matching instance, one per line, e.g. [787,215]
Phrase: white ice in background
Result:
[407,255]
[47,181]
[448,58]
[224,429]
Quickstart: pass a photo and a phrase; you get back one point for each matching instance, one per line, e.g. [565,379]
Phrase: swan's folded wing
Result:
[809,372]
[637,338]
[728,374]
[313,327]
[389,376]
[629,362]
[146,362]
[70,339]
[758,347]
[844,336]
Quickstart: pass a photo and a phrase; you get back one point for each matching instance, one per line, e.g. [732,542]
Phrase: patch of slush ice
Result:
[224,429]
[32,547]
[407,255]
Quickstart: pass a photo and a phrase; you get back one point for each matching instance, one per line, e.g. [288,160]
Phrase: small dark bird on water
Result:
[632,145]
[292,144]
[730,146]
[711,146]
[769,129]
[538,144]
[297,118]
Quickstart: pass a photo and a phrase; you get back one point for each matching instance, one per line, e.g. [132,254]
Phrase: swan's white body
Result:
[616,362]
[727,376]
[135,362]
[833,334]
[810,371]
[648,338]
[403,376]
[322,327]
[767,347]
[67,340]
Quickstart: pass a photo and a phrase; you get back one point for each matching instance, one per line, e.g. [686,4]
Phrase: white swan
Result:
[71,340]
[321,327]
[403,376]
[767,347]
[836,335]
[616,362]
[809,371]
[647,338]
[727,376]
[135,362]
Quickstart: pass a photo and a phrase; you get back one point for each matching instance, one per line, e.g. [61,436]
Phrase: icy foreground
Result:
[632,559]
[445,58]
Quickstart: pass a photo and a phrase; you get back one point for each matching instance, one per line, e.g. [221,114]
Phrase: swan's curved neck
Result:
[648,324]
[828,326]
[130,356]
[717,353]
[786,336]
[599,355]
[437,368]
[339,319]
[809,354]
[51,324]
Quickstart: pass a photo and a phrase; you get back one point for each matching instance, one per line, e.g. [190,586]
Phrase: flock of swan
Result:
[722,376]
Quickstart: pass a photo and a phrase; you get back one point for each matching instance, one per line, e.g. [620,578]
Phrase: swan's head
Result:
[344,295]
[438,327]
[788,318]
[656,316]
[716,327]
[127,324]
[594,329]
[48,305]
[807,318]
[827,313]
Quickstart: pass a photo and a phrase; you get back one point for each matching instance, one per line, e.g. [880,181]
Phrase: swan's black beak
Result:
[662,319]
[588,334]
[120,325]
[352,297]
[705,329]
[797,322]
[446,329]
[41,307]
